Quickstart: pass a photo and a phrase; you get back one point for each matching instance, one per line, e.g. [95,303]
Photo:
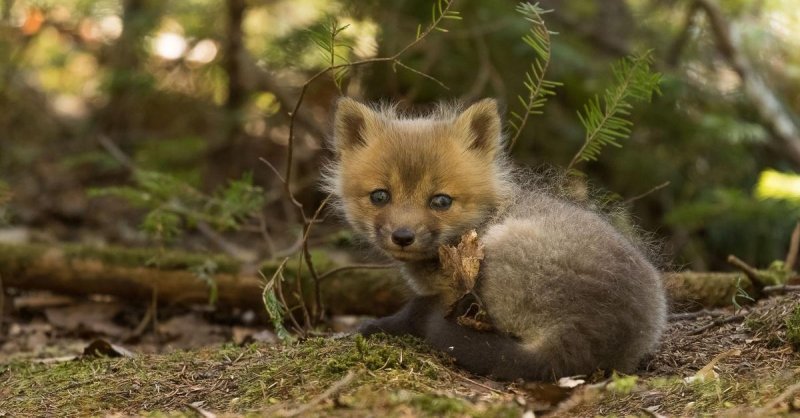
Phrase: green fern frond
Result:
[606,120]
[539,89]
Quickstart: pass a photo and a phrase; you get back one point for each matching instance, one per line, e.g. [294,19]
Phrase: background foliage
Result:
[140,94]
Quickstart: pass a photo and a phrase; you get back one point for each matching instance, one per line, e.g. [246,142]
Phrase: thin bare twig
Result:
[146,320]
[331,391]
[749,271]
[794,246]
[230,248]
[716,323]
[338,270]
[273,168]
[420,73]
[781,289]
[116,152]
[645,194]
[693,315]
[277,283]
[265,235]
[317,310]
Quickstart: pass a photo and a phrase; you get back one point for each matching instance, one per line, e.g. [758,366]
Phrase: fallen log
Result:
[133,275]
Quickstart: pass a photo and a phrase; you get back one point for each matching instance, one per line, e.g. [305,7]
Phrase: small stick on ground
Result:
[716,323]
[693,315]
[331,391]
[781,289]
[479,384]
[749,271]
[147,319]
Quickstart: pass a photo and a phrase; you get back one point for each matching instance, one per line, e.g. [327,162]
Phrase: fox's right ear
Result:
[350,122]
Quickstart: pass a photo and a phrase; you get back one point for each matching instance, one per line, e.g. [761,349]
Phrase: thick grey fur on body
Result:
[574,293]
[567,293]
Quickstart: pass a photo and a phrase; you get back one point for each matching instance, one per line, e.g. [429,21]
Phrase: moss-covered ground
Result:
[738,368]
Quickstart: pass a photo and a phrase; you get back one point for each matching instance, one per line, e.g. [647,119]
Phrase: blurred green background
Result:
[200,89]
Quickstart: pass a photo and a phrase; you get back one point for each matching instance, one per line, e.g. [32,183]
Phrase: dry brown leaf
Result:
[461,264]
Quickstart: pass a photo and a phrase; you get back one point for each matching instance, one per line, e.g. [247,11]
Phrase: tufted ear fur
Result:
[350,121]
[482,123]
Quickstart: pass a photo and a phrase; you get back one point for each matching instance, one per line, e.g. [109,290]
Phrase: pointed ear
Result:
[482,123]
[350,121]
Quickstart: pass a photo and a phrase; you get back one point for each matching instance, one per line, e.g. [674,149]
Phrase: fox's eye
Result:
[441,202]
[379,197]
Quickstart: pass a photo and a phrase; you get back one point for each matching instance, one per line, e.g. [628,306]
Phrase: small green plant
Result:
[793,327]
[276,309]
[174,205]
[607,120]
[739,293]
[622,384]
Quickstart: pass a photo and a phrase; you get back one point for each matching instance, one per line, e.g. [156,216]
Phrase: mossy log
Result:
[133,274]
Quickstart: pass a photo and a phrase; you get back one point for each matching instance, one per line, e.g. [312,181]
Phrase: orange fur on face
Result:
[415,159]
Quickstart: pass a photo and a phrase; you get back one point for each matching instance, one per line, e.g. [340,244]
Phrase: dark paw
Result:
[370,327]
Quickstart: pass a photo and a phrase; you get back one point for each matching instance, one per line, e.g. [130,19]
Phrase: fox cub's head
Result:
[411,184]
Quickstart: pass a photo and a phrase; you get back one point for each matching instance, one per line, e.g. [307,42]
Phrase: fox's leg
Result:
[410,319]
[486,353]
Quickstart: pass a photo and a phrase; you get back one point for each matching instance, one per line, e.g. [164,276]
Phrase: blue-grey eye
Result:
[441,202]
[379,197]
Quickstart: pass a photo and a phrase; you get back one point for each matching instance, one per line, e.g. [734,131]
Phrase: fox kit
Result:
[566,293]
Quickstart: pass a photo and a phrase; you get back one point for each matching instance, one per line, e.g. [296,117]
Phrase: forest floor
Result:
[710,363]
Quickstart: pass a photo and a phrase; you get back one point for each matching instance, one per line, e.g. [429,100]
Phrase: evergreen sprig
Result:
[330,45]
[440,9]
[607,121]
[539,89]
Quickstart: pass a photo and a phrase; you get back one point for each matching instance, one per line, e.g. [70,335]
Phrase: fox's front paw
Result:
[370,327]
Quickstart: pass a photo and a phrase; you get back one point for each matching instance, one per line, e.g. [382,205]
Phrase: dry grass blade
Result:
[331,391]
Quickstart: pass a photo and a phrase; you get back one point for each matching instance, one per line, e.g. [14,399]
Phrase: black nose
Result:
[403,237]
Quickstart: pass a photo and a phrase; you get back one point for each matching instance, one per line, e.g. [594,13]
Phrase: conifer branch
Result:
[538,38]
[608,122]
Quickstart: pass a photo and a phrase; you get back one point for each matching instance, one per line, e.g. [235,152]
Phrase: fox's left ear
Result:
[482,123]
[351,121]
